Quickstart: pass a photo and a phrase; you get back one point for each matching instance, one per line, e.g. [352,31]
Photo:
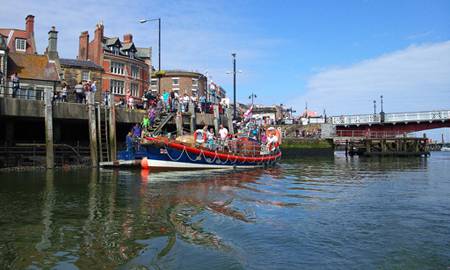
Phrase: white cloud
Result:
[413,79]
[196,35]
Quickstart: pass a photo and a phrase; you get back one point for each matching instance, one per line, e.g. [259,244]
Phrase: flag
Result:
[248,113]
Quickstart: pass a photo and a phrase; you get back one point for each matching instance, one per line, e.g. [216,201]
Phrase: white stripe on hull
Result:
[153,163]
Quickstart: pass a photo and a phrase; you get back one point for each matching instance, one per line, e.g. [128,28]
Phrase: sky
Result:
[336,56]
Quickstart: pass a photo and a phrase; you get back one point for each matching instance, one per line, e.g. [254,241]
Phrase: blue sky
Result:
[335,55]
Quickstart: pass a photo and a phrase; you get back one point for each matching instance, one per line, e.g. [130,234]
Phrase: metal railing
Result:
[21,93]
[369,134]
[390,117]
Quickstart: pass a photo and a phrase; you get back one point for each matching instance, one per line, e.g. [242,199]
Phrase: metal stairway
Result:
[160,122]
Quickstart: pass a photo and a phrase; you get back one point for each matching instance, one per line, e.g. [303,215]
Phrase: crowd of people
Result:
[171,102]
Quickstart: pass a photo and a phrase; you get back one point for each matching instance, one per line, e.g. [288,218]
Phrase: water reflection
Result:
[229,219]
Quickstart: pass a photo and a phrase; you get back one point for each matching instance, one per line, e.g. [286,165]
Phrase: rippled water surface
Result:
[304,214]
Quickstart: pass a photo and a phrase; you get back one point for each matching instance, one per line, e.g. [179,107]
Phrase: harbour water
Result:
[309,213]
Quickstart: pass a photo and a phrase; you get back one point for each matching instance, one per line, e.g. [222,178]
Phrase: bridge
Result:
[389,124]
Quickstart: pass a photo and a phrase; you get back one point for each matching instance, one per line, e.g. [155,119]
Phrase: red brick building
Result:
[182,82]
[21,41]
[126,67]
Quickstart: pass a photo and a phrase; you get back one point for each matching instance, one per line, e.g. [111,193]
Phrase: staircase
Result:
[160,122]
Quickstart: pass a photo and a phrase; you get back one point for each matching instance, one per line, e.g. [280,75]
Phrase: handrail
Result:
[391,117]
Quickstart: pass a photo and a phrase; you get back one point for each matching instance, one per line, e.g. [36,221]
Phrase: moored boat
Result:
[165,153]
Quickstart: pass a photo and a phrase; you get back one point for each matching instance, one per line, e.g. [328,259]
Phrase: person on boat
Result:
[272,140]
[145,122]
[223,135]
[152,116]
[137,131]
[200,135]
[210,138]
[129,141]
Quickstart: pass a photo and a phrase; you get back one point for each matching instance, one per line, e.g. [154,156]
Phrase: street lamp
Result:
[381,97]
[234,84]
[159,47]
[252,96]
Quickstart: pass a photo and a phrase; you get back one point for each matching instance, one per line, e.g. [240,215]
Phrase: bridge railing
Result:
[369,134]
[417,116]
[355,119]
[390,117]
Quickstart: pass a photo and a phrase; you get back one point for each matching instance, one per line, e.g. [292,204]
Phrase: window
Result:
[115,50]
[154,82]
[21,44]
[175,81]
[131,54]
[134,89]
[85,76]
[117,87]
[134,72]
[117,68]
[194,83]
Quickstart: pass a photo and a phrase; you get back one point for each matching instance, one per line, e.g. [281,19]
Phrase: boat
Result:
[445,149]
[166,154]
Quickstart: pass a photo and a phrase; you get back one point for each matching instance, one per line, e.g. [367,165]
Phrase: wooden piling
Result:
[112,128]
[230,121]
[216,118]
[192,123]
[48,116]
[179,124]
[92,129]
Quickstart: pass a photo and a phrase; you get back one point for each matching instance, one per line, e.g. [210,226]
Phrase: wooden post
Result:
[216,118]
[112,127]
[48,115]
[179,124]
[230,121]
[193,117]
[92,129]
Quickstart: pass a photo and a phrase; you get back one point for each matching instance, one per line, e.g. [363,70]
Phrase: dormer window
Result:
[131,54]
[115,50]
[21,44]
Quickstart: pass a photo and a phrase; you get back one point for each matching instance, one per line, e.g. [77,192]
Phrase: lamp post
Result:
[234,85]
[381,97]
[159,48]
[252,96]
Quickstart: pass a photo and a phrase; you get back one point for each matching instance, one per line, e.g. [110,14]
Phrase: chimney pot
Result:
[128,38]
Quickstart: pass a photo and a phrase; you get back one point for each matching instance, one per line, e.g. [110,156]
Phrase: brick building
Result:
[21,41]
[125,66]
[182,82]
[3,62]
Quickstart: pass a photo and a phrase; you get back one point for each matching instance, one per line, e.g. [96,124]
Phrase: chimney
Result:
[29,25]
[52,49]
[83,49]
[127,38]
[97,47]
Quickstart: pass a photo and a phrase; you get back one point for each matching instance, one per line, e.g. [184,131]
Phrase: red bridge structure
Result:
[385,125]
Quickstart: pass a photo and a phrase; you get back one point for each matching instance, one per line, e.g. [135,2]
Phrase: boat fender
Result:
[144,163]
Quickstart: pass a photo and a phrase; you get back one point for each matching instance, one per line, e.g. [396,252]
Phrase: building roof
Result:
[112,41]
[144,53]
[32,66]
[79,63]
[12,34]
[171,73]
[128,46]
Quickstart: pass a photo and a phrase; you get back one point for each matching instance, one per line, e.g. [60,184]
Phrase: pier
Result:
[41,132]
